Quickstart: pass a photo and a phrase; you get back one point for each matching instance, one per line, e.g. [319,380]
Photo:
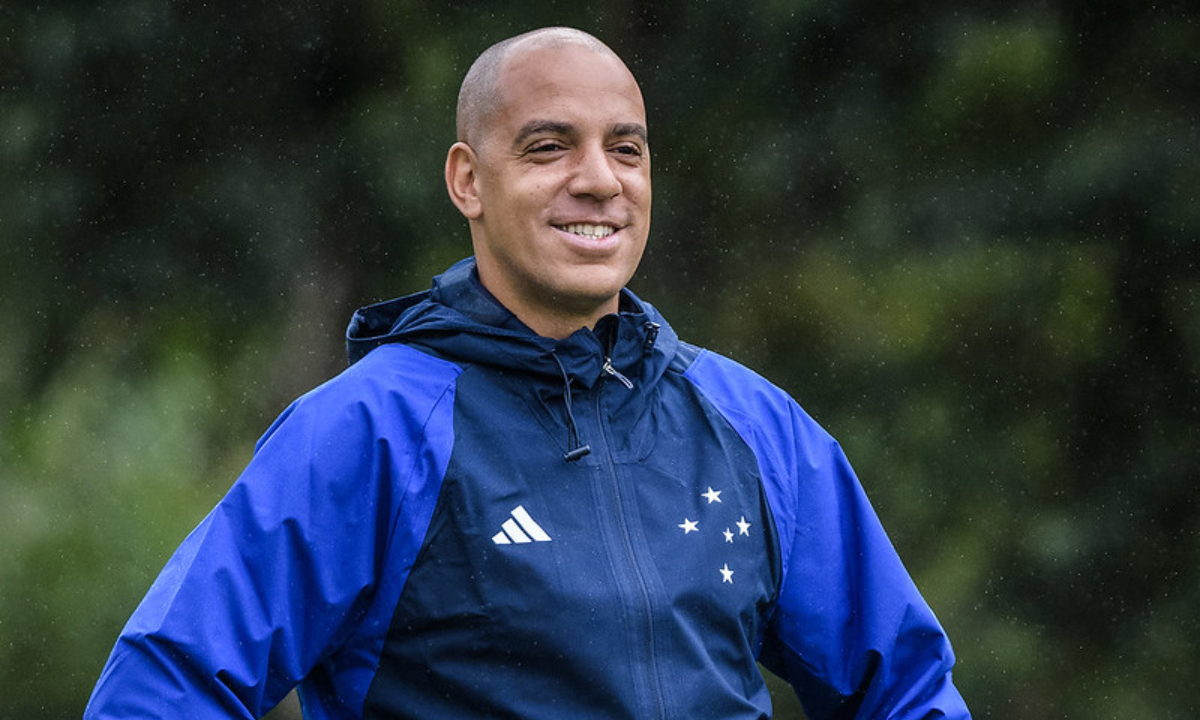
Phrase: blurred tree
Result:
[962,235]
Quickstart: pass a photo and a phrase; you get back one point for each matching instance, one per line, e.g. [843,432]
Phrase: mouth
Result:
[588,230]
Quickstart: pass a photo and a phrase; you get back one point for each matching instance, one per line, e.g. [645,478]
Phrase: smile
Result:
[587,230]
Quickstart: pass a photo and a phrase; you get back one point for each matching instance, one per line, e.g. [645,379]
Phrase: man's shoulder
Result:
[392,391]
[388,373]
[707,366]
[397,359]
[742,392]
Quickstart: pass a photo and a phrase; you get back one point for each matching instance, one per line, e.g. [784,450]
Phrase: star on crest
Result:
[712,495]
[743,527]
[726,574]
[689,526]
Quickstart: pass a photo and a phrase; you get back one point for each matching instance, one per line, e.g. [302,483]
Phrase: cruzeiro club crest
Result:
[718,520]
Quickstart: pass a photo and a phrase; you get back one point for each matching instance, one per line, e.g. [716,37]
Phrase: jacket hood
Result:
[459,320]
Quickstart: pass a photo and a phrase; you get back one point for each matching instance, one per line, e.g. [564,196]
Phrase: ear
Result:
[461,178]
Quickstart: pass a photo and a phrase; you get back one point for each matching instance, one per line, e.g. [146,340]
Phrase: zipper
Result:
[611,371]
[635,561]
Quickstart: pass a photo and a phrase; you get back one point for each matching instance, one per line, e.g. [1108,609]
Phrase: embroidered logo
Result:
[520,528]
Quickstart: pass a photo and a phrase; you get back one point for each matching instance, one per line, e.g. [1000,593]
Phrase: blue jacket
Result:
[473,521]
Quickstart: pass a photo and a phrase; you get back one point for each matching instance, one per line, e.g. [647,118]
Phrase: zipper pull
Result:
[610,370]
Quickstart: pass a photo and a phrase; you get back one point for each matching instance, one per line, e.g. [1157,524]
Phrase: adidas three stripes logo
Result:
[520,528]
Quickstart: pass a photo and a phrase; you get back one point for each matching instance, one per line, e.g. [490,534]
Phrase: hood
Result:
[459,320]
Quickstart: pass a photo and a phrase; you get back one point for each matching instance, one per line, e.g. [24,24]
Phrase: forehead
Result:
[570,83]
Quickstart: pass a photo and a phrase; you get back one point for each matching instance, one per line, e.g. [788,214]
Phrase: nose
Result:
[593,175]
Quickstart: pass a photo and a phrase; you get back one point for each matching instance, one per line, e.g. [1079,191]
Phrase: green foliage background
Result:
[962,234]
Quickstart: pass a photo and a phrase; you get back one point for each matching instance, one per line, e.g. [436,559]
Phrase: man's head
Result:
[552,171]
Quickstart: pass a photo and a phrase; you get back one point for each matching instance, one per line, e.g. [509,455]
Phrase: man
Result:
[527,498]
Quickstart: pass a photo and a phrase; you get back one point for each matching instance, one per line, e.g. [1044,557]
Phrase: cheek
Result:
[533,195]
[637,187]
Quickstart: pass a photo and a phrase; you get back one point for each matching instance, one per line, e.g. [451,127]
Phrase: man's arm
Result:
[850,630]
[852,633]
[269,580]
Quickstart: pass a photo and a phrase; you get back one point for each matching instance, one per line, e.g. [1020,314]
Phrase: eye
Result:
[546,146]
[629,152]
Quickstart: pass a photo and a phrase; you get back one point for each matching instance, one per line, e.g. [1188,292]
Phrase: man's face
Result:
[563,182]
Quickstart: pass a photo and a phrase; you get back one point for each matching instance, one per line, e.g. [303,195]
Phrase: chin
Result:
[594,287]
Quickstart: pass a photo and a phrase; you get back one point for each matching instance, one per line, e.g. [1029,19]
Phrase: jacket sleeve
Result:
[268,582]
[850,632]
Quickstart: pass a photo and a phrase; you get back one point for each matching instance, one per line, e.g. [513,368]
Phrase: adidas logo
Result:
[520,528]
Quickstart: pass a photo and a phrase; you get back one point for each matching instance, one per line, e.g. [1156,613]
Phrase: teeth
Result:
[589,231]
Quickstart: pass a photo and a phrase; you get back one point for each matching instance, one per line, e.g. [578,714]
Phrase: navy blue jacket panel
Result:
[476,522]
[591,588]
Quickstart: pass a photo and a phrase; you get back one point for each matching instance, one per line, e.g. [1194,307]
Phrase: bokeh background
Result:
[962,234]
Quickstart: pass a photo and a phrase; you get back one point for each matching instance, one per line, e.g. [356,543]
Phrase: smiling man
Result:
[552,170]
[527,497]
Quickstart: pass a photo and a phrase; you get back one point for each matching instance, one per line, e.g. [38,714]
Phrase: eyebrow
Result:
[554,127]
[637,130]
[536,127]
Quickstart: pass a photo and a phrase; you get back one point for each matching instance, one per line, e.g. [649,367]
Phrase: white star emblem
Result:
[689,526]
[712,495]
[743,527]
[726,574]
[728,535]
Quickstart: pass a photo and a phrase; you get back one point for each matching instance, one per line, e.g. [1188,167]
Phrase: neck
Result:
[547,315]
[557,323]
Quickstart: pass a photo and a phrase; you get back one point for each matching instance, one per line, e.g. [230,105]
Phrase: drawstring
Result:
[572,431]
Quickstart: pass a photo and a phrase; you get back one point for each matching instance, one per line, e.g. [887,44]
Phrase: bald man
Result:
[527,497]
[552,171]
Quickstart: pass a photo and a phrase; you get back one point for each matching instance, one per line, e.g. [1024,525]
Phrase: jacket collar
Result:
[457,318]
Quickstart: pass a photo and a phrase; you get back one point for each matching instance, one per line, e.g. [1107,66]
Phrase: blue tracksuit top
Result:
[472,521]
